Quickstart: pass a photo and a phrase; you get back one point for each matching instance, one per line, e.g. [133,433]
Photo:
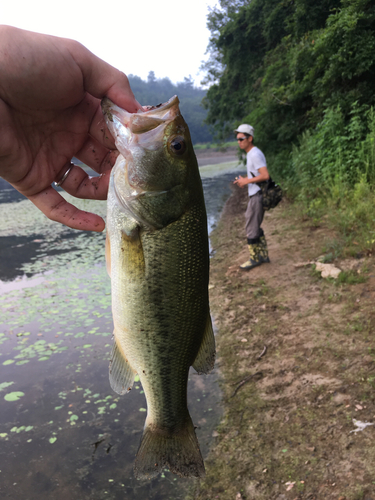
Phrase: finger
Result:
[99,130]
[96,156]
[56,208]
[116,94]
[101,79]
[79,184]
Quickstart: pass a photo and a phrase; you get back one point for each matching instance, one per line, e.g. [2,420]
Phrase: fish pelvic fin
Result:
[205,360]
[121,374]
[179,451]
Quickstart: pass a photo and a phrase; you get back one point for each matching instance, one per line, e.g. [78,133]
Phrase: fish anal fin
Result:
[205,360]
[178,450]
[121,374]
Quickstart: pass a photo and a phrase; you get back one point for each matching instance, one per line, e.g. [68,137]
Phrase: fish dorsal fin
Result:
[205,360]
[108,254]
[121,374]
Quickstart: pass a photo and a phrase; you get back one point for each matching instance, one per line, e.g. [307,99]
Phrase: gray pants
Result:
[254,218]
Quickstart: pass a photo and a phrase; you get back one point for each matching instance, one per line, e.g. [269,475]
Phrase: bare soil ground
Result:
[297,357]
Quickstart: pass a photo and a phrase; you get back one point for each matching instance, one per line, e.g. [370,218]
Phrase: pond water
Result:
[63,432]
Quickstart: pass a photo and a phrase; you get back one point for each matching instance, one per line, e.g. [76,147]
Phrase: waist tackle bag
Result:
[272,194]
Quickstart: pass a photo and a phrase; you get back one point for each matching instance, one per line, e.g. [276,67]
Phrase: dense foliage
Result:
[153,91]
[302,73]
[288,67]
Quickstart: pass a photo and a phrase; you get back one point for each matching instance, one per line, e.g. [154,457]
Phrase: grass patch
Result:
[350,278]
[219,168]
[215,146]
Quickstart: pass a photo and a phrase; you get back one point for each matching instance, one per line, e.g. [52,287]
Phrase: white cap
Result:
[245,129]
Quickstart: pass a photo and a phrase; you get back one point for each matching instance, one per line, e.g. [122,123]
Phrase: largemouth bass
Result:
[157,257]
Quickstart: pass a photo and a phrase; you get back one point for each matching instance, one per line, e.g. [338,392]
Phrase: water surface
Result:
[63,432]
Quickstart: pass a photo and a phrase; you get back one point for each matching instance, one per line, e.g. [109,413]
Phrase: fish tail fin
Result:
[179,451]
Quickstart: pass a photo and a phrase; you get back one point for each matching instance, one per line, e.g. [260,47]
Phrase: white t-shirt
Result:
[255,160]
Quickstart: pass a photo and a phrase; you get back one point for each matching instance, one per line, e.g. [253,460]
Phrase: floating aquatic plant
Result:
[14,396]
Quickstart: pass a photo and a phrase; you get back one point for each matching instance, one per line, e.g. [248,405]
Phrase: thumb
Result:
[101,79]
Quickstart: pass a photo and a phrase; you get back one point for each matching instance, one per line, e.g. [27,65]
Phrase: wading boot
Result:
[258,254]
[264,249]
[255,257]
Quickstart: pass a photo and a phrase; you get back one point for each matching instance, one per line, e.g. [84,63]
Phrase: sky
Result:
[168,37]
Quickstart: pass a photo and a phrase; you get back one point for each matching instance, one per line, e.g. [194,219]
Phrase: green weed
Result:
[350,278]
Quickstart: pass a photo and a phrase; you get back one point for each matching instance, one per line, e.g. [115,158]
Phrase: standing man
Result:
[256,172]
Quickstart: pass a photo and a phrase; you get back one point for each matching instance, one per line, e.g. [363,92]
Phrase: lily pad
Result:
[4,385]
[14,396]
[8,362]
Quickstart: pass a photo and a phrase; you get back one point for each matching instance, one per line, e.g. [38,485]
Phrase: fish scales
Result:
[159,324]
[157,252]
[157,331]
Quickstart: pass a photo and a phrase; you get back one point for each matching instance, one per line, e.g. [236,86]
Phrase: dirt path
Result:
[297,355]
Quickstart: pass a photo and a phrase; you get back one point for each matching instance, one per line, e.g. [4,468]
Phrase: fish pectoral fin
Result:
[205,360]
[121,374]
[133,259]
[108,254]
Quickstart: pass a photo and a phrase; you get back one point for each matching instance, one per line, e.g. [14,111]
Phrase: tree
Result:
[157,90]
[281,64]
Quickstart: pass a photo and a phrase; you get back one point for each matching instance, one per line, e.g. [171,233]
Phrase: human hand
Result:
[241,181]
[50,93]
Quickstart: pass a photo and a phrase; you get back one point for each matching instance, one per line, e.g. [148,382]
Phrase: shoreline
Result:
[297,362]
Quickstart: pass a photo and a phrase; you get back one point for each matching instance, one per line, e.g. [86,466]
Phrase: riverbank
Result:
[297,358]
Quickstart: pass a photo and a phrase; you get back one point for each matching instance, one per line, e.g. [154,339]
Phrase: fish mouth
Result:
[109,108]
[124,126]
[137,135]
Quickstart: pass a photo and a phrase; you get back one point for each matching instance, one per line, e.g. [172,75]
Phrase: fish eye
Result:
[177,145]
